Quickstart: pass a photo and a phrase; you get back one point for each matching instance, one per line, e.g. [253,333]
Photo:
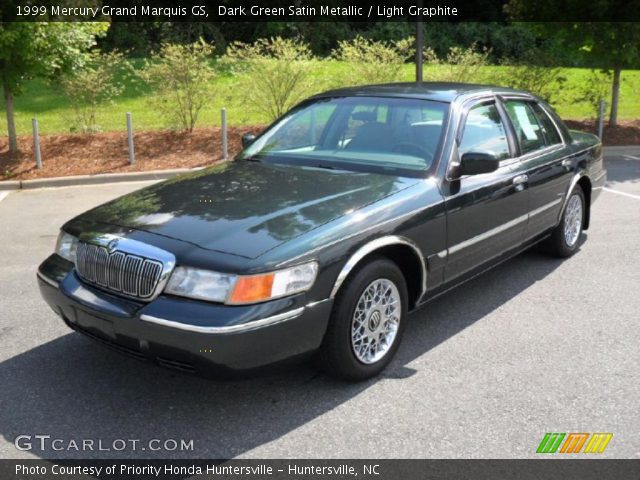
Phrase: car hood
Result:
[246,208]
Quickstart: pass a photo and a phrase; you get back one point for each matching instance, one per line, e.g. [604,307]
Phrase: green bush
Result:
[97,83]
[536,73]
[372,61]
[459,65]
[272,75]
[181,78]
[596,87]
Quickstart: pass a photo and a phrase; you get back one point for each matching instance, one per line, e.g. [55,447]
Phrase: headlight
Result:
[239,289]
[66,246]
[200,284]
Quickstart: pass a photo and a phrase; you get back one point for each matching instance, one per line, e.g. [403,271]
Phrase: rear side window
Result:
[551,135]
[484,132]
[528,128]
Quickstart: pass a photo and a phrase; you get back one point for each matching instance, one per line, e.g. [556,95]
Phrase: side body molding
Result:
[377,244]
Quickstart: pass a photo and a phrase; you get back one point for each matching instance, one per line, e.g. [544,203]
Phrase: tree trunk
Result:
[419,51]
[11,122]
[615,97]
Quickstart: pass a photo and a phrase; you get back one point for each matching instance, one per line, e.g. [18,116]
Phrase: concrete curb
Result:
[10,185]
[97,179]
[621,148]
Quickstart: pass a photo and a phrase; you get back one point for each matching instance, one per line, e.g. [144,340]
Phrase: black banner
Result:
[317,10]
[552,469]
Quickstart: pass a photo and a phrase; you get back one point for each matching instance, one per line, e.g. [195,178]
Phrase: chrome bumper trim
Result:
[245,327]
[48,280]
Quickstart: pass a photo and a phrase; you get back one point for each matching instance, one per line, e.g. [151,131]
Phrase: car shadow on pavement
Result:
[622,168]
[73,389]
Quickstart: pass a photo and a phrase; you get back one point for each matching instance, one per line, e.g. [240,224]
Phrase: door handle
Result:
[520,179]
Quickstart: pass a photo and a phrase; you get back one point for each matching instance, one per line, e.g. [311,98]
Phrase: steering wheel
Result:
[412,149]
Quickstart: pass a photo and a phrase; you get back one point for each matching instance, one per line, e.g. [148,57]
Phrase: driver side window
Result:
[484,132]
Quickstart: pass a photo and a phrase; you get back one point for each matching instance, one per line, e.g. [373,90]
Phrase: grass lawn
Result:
[47,103]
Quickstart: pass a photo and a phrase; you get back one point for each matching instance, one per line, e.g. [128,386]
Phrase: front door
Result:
[486,213]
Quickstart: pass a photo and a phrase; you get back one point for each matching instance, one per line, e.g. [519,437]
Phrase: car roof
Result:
[437,91]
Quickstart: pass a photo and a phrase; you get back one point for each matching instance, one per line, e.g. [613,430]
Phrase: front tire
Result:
[367,322]
[565,238]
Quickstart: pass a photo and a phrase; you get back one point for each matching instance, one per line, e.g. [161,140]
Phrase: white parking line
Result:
[631,157]
[3,195]
[610,190]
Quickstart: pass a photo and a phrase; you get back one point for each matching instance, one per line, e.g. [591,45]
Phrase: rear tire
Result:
[367,322]
[565,239]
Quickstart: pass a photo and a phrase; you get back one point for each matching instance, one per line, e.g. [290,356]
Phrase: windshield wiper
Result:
[252,159]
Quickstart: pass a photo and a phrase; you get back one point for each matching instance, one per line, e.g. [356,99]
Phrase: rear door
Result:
[486,213]
[543,161]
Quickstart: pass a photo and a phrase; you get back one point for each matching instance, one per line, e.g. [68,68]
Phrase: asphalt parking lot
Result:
[537,345]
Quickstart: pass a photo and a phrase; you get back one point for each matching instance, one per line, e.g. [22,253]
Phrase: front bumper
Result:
[184,334]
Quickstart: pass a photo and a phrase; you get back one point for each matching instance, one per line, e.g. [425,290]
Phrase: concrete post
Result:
[601,111]
[132,156]
[223,128]
[36,143]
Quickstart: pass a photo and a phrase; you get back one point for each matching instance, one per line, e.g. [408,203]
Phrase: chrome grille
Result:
[126,273]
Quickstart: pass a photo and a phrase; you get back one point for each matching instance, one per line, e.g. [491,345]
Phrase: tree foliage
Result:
[181,77]
[273,74]
[612,46]
[44,50]
[31,50]
[503,39]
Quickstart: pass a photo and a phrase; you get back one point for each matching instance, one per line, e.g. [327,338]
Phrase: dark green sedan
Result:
[356,207]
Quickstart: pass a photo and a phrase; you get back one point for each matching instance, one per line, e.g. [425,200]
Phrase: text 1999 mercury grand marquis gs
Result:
[351,210]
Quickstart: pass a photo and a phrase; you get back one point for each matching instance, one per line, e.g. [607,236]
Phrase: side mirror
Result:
[247,139]
[474,163]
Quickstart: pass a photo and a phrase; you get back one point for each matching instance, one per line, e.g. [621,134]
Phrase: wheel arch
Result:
[582,180]
[403,252]
[585,184]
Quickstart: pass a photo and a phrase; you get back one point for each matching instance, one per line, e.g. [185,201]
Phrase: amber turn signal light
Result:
[251,289]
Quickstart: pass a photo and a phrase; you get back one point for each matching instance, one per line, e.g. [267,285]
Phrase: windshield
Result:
[372,134]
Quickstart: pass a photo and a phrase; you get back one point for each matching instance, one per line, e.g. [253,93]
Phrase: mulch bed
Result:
[626,133]
[73,154]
